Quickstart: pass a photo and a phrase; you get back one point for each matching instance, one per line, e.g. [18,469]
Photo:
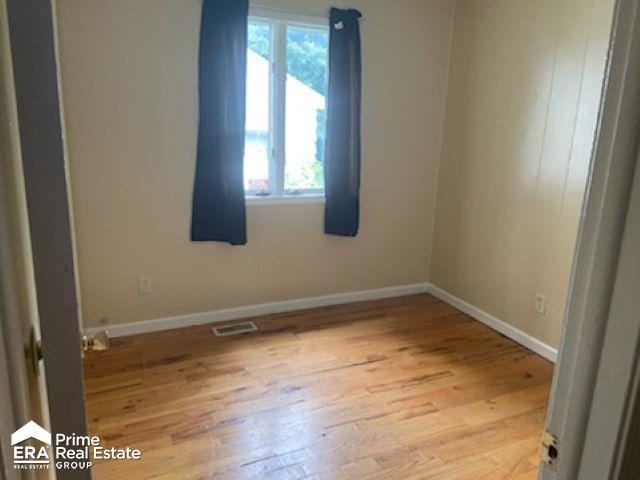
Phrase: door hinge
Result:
[550,449]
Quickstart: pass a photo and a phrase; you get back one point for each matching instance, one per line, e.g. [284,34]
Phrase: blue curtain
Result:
[342,153]
[218,194]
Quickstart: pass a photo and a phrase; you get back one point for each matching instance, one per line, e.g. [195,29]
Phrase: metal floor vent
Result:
[234,329]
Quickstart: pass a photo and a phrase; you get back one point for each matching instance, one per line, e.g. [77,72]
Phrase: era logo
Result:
[28,456]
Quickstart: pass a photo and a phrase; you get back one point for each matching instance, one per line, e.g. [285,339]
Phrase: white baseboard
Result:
[504,328]
[168,323]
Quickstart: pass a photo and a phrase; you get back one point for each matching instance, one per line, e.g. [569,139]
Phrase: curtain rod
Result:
[287,10]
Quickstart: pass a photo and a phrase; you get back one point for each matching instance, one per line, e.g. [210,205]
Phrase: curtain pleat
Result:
[342,152]
[218,196]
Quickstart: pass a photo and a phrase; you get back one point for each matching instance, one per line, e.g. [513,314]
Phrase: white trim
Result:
[248,311]
[264,12]
[278,101]
[500,326]
[168,323]
[257,201]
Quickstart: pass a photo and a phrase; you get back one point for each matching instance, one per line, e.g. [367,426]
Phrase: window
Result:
[287,62]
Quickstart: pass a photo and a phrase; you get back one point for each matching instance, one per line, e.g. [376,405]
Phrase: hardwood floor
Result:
[401,388]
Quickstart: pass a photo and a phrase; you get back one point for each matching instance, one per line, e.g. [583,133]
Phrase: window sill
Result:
[284,200]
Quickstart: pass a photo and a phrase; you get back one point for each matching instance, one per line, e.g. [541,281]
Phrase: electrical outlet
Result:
[540,304]
[144,285]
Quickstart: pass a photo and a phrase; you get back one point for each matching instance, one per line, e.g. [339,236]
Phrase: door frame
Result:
[615,394]
[587,328]
[36,80]
[16,382]
[592,305]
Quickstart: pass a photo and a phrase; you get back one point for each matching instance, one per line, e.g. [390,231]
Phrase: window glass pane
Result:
[257,137]
[307,56]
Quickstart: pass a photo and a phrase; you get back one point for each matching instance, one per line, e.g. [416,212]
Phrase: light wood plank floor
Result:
[401,388]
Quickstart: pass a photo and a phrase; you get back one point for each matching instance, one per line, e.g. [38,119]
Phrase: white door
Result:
[38,279]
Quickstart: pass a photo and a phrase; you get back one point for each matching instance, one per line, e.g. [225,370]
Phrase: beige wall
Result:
[129,85]
[523,95]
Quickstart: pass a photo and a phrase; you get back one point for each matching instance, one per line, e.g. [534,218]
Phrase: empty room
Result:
[300,239]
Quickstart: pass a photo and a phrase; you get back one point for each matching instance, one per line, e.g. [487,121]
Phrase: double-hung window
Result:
[287,62]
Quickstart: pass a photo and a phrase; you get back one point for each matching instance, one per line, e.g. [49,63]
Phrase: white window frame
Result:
[278,21]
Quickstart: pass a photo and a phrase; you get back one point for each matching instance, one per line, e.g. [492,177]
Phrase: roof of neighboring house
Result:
[258,93]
